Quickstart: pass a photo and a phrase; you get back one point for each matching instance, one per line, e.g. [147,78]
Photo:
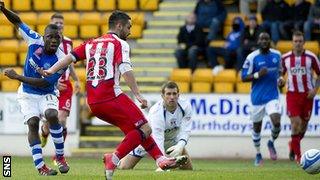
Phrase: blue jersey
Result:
[265,88]
[37,58]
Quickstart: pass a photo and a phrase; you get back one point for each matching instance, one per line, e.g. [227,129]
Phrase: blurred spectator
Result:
[190,43]
[313,22]
[229,50]
[244,6]
[249,39]
[299,14]
[273,14]
[210,14]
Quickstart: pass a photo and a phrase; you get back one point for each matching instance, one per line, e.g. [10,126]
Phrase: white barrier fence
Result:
[228,115]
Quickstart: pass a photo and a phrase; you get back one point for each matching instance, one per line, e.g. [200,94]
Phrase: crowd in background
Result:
[205,25]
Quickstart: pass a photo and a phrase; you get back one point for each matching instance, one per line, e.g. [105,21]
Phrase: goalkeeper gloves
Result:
[176,150]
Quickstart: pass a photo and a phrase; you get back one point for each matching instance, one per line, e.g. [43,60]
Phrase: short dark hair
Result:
[117,16]
[52,27]
[57,15]
[169,85]
[297,33]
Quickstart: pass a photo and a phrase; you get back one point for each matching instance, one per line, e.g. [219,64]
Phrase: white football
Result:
[310,161]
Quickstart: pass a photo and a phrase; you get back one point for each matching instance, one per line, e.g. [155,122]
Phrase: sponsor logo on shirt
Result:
[298,70]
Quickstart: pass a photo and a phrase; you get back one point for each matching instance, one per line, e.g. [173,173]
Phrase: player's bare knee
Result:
[51,115]
[33,124]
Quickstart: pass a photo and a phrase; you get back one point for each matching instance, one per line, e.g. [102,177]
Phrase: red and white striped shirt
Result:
[300,70]
[66,47]
[107,58]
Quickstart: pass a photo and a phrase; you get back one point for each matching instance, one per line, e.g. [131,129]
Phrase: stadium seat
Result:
[40,29]
[71,18]
[243,87]
[81,72]
[148,5]
[202,75]
[226,30]
[22,58]
[201,87]
[63,5]
[105,17]
[106,5]
[184,87]
[4,20]
[6,31]
[137,18]
[231,16]
[227,75]
[30,18]
[9,85]
[42,5]
[70,31]
[44,18]
[7,3]
[223,87]
[90,18]
[8,59]
[126,5]
[104,29]
[136,32]
[23,46]
[87,5]
[181,75]
[286,46]
[21,5]
[9,46]
[89,31]
[217,43]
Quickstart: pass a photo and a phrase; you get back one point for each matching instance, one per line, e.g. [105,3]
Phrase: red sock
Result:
[130,141]
[296,145]
[152,148]
[64,134]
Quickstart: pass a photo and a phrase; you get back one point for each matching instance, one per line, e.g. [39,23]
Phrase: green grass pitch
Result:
[92,168]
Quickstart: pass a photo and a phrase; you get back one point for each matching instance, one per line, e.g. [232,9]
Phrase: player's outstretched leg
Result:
[44,134]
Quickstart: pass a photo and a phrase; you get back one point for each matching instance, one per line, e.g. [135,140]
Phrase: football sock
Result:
[56,134]
[295,143]
[256,140]
[275,131]
[152,148]
[37,154]
[130,141]
[64,133]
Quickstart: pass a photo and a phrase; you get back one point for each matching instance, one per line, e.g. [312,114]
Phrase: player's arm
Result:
[60,64]
[184,134]
[37,82]
[247,73]
[316,67]
[75,78]
[11,16]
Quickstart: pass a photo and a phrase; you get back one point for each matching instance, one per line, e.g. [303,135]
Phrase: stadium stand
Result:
[18,5]
[63,5]
[42,5]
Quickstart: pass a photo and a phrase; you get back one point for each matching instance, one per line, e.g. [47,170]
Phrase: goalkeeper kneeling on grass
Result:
[170,120]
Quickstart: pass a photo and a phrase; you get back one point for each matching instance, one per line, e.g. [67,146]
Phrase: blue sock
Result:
[37,154]
[256,140]
[57,138]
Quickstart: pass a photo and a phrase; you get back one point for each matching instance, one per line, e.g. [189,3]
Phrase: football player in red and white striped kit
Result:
[299,64]
[64,85]
[107,59]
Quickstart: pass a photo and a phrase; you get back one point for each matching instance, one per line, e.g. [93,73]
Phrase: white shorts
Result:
[141,152]
[35,105]
[259,111]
